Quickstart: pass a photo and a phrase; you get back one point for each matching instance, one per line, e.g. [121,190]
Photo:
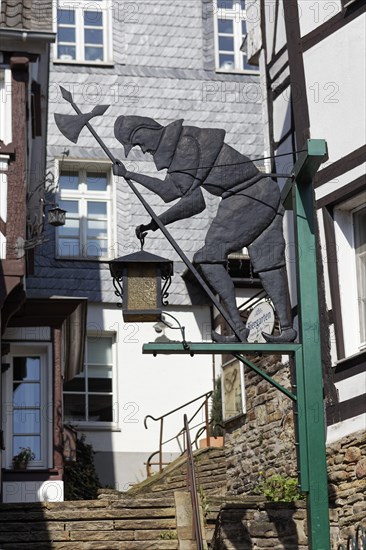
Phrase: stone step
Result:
[210,470]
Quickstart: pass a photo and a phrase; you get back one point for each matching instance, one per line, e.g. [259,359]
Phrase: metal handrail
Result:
[353,541]
[192,486]
[206,397]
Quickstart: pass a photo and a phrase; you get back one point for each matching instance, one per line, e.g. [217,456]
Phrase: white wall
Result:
[149,385]
[335,83]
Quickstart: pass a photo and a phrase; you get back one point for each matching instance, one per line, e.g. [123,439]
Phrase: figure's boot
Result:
[276,285]
[220,281]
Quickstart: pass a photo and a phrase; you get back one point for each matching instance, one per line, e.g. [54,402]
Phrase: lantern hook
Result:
[164,321]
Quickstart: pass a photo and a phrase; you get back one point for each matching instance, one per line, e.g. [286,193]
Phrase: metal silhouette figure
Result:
[249,215]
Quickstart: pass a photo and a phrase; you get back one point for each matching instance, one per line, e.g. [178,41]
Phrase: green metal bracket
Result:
[211,348]
[308,401]
[193,348]
[266,376]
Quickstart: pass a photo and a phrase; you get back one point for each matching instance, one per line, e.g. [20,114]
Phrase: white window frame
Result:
[101,425]
[106,7]
[44,351]
[237,15]
[5,106]
[344,236]
[82,195]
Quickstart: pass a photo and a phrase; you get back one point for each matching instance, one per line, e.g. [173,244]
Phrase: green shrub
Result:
[80,479]
[216,410]
[279,488]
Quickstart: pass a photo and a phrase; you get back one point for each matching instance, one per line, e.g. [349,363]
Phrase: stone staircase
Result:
[210,469]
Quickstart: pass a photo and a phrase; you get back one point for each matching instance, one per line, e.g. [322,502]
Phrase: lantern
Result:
[137,279]
[56,216]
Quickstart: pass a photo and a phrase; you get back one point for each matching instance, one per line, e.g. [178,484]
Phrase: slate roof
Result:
[35,15]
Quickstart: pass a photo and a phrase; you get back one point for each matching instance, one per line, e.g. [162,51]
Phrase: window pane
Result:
[69,180]
[93,18]
[66,52]
[100,408]
[96,181]
[67,247]
[66,34]
[244,28]
[26,394]
[97,229]
[99,371]
[32,441]
[96,249]
[76,384]
[247,66]
[72,207]
[74,407]
[26,368]
[93,54]
[99,350]
[66,16]
[26,421]
[97,208]
[70,229]
[98,383]
[225,4]
[226,61]
[226,43]
[226,26]
[359,219]
[93,36]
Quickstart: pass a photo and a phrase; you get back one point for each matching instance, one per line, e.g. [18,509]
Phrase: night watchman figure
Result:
[249,215]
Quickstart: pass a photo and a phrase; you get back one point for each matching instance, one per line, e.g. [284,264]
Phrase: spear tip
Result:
[66,94]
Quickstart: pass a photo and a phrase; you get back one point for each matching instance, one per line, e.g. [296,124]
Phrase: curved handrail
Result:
[161,418]
[207,395]
[193,489]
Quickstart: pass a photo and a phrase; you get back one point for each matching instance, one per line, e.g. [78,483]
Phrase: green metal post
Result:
[309,370]
[310,425]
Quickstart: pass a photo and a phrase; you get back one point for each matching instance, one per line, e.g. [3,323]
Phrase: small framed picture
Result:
[233,390]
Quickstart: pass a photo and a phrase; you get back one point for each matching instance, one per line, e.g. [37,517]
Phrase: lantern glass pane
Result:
[142,287]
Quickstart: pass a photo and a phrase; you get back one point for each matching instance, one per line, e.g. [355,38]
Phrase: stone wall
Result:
[257,524]
[347,482]
[263,440]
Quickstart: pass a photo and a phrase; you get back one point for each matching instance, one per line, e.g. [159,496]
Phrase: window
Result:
[85,194]
[82,31]
[350,238]
[28,416]
[231,31]
[5,106]
[89,396]
[359,227]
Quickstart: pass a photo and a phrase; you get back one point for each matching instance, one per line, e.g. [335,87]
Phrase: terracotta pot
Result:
[214,442]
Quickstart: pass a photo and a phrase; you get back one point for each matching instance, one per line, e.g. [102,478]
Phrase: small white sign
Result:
[261,319]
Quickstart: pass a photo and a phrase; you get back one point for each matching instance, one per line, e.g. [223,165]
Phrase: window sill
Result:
[103,260]
[238,71]
[95,427]
[106,64]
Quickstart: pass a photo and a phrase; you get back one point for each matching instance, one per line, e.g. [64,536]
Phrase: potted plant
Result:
[20,460]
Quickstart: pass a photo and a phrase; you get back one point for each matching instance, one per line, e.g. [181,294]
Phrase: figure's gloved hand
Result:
[141,230]
[119,169]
